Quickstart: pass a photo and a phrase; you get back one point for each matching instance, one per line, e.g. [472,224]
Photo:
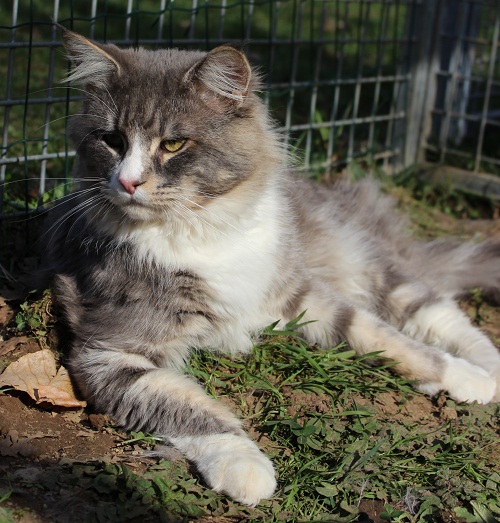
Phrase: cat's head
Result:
[165,133]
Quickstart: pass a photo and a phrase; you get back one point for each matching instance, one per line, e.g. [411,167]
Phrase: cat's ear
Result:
[93,63]
[225,72]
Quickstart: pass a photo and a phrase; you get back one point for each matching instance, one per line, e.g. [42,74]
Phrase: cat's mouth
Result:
[133,202]
[131,206]
[122,199]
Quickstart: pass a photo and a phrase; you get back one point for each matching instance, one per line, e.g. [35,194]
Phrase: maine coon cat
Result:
[189,231]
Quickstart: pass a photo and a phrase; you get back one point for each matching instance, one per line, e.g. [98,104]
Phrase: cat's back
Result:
[349,235]
[357,207]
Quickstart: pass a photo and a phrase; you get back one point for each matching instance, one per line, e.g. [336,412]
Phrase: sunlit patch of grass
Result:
[329,460]
[320,416]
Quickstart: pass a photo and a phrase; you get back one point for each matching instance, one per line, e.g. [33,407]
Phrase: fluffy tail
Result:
[456,268]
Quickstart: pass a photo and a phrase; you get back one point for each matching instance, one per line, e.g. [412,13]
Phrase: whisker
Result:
[219,230]
[203,220]
[67,180]
[66,198]
[97,201]
[83,91]
[83,139]
[99,99]
[69,116]
[213,214]
[183,216]
[87,205]
[43,210]
[111,98]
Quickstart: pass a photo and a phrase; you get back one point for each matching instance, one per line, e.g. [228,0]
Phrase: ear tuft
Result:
[92,62]
[225,71]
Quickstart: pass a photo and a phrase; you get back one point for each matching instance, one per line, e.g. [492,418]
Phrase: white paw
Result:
[232,465]
[464,382]
[246,476]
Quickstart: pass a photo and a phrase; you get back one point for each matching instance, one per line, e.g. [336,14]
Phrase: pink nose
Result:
[130,186]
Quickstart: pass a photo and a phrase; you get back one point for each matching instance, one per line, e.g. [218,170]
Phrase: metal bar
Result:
[452,85]
[487,94]
[180,41]
[314,90]
[395,128]
[274,85]
[50,80]
[35,157]
[362,28]
[464,155]
[382,29]
[26,105]
[421,89]
[8,90]
[161,19]
[93,11]
[194,12]
[248,27]
[328,165]
[343,122]
[128,19]
[363,117]
[222,18]
[273,22]
[297,127]
[296,32]
[336,96]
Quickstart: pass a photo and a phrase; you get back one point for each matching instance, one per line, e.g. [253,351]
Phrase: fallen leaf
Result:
[37,375]
[11,344]
[6,313]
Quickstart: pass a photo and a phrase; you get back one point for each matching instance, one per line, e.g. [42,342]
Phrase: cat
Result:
[189,230]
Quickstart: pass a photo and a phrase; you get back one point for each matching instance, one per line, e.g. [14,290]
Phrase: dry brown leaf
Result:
[11,344]
[36,374]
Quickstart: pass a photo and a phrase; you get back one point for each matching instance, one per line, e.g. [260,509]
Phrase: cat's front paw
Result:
[247,477]
[464,381]
[232,465]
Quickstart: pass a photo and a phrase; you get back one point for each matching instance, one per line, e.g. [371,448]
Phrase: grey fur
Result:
[143,252]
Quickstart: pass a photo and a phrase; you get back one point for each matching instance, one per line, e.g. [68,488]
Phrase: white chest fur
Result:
[236,256]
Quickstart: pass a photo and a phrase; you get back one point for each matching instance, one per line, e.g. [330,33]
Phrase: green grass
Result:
[322,417]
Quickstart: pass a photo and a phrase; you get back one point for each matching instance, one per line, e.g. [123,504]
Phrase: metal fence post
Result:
[422,62]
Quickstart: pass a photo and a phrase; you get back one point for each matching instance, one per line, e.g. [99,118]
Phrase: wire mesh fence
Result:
[392,81]
[333,73]
[464,128]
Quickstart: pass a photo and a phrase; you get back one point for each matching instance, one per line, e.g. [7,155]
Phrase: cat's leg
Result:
[443,324]
[161,401]
[431,368]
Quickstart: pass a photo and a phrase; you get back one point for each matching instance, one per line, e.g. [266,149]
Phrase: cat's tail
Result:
[456,267]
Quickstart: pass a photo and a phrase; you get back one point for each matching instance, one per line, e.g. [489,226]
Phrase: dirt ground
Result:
[36,442]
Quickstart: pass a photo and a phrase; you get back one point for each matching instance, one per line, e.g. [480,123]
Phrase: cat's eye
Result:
[114,140]
[172,146]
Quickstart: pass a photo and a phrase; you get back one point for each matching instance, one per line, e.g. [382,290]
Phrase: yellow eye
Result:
[172,146]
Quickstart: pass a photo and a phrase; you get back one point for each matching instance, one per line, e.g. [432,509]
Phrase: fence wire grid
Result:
[393,81]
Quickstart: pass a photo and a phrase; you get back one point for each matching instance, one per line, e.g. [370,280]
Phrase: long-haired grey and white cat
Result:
[189,231]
